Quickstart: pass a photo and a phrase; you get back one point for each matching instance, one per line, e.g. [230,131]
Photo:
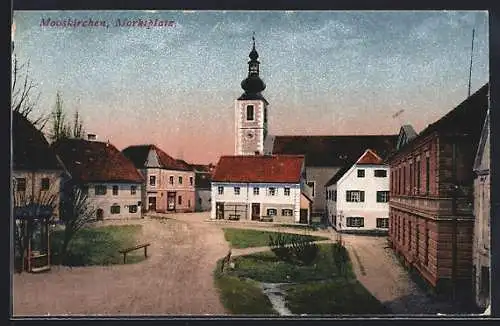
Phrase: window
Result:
[418,176]
[190,181]
[115,190]
[380,173]
[382,196]
[271,191]
[355,196]
[152,180]
[417,240]
[250,113]
[220,190]
[189,202]
[21,184]
[334,195]
[45,184]
[484,289]
[404,180]
[100,189]
[132,208]
[256,191]
[272,212]
[115,209]
[171,179]
[180,180]
[312,185]
[411,178]
[427,175]
[383,223]
[361,173]
[287,212]
[287,191]
[179,200]
[427,236]
[236,191]
[409,236]
[133,190]
[399,180]
[355,221]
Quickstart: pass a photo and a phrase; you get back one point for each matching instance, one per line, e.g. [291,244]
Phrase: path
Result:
[176,279]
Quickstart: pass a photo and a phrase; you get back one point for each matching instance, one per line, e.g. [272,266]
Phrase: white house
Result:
[111,181]
[482,206]
[358,196]
[260,188]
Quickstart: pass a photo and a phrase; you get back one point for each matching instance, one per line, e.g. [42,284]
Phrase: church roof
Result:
[330,151]
[259,168]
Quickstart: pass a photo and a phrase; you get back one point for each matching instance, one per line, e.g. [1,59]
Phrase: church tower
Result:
[251,111]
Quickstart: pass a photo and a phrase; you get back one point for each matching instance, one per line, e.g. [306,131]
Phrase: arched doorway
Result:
[100,214]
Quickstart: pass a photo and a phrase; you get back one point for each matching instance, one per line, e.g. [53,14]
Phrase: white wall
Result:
[247,196]
[370,209]
[123,199]
[206,203]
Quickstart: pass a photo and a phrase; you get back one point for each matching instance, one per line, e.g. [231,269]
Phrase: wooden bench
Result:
[234,217]
[127,250]
[266,218]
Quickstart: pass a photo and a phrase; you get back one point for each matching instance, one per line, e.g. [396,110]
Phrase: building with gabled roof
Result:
[431,216]
[169,182]
[357,195]
[261,187]
[110,180]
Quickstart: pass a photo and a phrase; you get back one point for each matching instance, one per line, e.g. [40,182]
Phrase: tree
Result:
[78,131]
[76,212]
[60,127]
[23,99]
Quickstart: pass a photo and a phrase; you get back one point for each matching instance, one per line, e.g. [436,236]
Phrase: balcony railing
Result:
[434,205]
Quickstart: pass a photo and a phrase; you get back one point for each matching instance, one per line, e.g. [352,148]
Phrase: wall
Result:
[243,144]
[331,206]
[370,209]
[320,175]
[124,199]
[33,188]
[204,196]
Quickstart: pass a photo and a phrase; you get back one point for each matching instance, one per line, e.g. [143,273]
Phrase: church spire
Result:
[253,84]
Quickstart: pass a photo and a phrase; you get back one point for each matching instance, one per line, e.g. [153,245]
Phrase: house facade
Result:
[431,198]
[327,155]
[202,187]
[169,183]
[260,188]
[105,175]
[482,207]
[357,199]
[37,172]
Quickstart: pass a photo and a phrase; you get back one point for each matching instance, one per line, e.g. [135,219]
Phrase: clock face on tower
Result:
[249,135]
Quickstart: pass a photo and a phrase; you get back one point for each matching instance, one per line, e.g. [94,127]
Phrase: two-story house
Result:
[431,216]
[260,187]
[169,183]
[357,197]
[110,180]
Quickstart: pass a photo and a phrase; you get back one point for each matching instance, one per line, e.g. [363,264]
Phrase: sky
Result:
[326,72]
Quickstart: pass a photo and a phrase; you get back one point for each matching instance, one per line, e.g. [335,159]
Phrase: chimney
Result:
[91,137]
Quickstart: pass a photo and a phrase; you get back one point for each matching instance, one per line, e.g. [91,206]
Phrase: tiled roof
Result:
[369,157]
[321,151]
[92,161]
[138,154]
[31,151]
[259,168]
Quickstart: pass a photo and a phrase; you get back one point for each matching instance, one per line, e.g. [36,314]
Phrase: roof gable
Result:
[406,134]
[272,169]
[369,157]
[150,156]
[152,160]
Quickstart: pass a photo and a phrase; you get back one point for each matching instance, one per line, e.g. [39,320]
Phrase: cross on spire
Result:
[253,39]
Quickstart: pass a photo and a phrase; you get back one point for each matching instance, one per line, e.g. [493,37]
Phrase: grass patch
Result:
[332,298]
[241,296]
[98,245]
[300,226]
[266,267]
[247,238]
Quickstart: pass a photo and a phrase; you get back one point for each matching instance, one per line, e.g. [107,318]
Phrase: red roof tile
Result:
[92,161]
[272,169]
[369,157]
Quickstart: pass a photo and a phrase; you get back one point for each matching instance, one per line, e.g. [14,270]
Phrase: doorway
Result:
[219,209]
[171,201]
[303,215]
[255,211]
[152,204]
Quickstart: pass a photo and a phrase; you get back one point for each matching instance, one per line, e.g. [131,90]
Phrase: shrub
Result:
[340,257]
[304,250]
[294,248]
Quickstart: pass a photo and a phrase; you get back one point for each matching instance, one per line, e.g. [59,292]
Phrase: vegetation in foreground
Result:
[327,285]
[97,246]
[247,238]
[241,296]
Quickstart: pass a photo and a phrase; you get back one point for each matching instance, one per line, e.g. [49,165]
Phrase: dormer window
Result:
[250,113]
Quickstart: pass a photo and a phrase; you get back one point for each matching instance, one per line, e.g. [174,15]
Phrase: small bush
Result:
[341,258]
[294,248]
